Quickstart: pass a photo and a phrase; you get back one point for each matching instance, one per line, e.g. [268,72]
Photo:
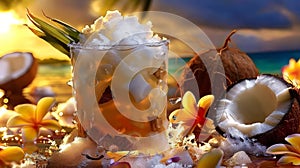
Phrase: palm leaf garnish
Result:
[49,29]
[71,31]
[52,41]
[58,36]
[64,48]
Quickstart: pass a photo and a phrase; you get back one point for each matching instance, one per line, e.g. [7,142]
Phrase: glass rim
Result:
[118,46]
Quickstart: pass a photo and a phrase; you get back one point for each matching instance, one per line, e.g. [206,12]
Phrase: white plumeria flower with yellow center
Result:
[30,119]
[192,114]
[290,152]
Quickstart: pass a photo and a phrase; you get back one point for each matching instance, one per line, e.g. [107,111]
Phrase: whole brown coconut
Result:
[265,108]
[221,68]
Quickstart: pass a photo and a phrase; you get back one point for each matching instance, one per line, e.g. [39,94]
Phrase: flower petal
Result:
[26,110]
[50,124]
[181,116]
[281,149]
[29,134]
[18,121]
[189,103]
[294,140]
[211,159]
[205,102]
[43,107]
[289,159]
[12,154]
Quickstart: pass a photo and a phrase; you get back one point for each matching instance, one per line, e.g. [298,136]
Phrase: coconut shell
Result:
[237,65]
[18,84]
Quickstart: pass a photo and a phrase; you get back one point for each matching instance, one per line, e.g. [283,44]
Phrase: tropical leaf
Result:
[35,31]
[59,36]
[51,40]
[71,31]
[58,45]
[49,29]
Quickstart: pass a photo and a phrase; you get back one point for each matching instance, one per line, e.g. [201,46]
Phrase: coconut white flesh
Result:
[254,106]
[14,65]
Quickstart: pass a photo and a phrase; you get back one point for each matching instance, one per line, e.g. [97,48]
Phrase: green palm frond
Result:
[50,29]
[59,36]
[71,31]
[51,40]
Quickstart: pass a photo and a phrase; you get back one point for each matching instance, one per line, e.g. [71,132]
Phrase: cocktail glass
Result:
[121,94]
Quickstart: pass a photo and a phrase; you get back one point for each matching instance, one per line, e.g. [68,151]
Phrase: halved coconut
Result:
[264,108]
[17,70]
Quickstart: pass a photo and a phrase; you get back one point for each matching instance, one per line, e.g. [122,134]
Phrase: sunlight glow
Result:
[7,20]
[13,33]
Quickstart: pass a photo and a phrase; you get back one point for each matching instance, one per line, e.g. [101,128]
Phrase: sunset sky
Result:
[262,25]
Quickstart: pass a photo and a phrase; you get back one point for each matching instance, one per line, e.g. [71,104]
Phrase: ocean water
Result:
[266,62]
[55,76]
[272,62]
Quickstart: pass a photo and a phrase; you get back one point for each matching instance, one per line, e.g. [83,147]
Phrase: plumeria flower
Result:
[31,119]
[192,114]
[290,152]
[291,72]
[10,154]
